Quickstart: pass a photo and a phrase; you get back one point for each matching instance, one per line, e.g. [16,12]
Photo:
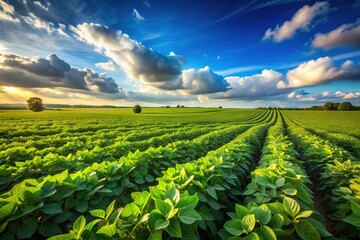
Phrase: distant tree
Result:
[137,108]
[220,106]
[177,106]
[345,106]
[182,106]
[35,104]
[167,107]
[330,106]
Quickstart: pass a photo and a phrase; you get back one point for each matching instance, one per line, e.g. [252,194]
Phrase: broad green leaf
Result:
[189,216]
[280,182]
[91,224]
[3,226]
[266,233]
[206,214]
[98,213]
[173,194]
[241,211]
[149,178]
[82,206]
[161,223]
[49,229]
[291,206]
[108,230]
[319,227]
[172,213]
[188,202]
[306,231]
[276,221]
[234,227]
[142,199]
[355,207]
[154,216]
[174,229]
[62,217]
[67,236]
[155,235]
[251,236]
[163,207]
[212,192]
[115,215]
[353,220]
[130,210]
[263,214]
[7,209]
[248,223]
[304,214]
[110,209]
[79,225]
[290,191]
[27,229]
[52,208]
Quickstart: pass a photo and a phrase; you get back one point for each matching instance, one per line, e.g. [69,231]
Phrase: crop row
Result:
[277,204]
[188,202]
[338,174]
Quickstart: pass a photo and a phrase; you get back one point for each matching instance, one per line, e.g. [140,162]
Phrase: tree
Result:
[35,104]
[330,106]
[177,106]
[220,106]
[345,106]
[137,108]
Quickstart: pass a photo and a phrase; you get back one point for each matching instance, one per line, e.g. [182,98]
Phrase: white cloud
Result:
[321,71]
[37,3]
[138,62]
[137,15]
[37,23]
[254,87]
[7,12]
[345,35]
[109,65]
[203,81]
[301,21]
[325,96]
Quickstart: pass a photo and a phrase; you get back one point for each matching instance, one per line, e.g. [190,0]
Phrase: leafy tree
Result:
[220,106]
[177,106]
[137,108]
[330,106]
[345,106]
[35,104]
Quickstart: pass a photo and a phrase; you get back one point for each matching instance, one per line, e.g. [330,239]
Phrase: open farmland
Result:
[186,173]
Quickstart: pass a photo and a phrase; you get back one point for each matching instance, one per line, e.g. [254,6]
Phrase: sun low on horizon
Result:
[238,54]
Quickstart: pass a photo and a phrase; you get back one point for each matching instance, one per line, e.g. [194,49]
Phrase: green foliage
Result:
[35,104]
[137,108]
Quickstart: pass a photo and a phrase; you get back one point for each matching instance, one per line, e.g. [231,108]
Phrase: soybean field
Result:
[191,173]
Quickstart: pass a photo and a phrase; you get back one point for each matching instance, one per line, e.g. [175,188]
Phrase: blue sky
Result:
[193,53]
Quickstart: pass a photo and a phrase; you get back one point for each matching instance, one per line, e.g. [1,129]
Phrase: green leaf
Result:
[280,182]
[206,214]
[290,191]
[52,208]
[115,215]
[97,213]
[130,209]
[188,202]
[67,236]
[62,217]
[241,211]
[155,235]
[79,225]
[291,206]
[189,216]
[3,226]
[110,209]
[154,216]
[319,227]
[266,233]
[306,231]
[91,224]
[234,227]
[149,178]
[304,214]
[7,210]
[252,236]
[108,230]
[353,220]
[355,207]
[82,206]
[212,192]
[142,199]
[174,229]
[27,229]
[173,194]
[248,223]
[49,229]
[163,207]
[276,221]
[161,224]
[263,214]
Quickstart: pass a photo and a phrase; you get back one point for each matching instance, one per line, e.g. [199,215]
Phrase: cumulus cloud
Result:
[138,62]
[109,65]
[301,21]
[321,71]
[254,87]
[203,81]
[37,23]
[51,72]
[137,15]
[7,12]
[345,35]
[326,96]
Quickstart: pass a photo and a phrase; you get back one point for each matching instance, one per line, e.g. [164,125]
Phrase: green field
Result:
[189,173]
